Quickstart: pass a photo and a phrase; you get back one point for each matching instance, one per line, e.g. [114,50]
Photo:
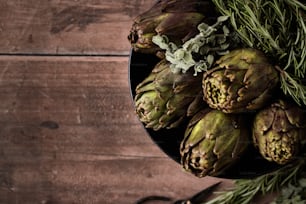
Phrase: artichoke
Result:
[279,131]
[177,19]
[164,99]
[213,142]
[241,81]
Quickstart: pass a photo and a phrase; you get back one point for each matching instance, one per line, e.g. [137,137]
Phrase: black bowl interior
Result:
[168,140]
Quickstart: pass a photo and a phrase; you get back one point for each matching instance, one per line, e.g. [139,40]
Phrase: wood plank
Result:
[106,181]
[67,26]
[87,97]
[68,134]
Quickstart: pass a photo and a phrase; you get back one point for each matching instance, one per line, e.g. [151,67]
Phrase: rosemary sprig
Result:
[292,86]
[245,190]
[278,28]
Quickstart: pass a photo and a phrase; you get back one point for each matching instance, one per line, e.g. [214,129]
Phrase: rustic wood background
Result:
[68,132]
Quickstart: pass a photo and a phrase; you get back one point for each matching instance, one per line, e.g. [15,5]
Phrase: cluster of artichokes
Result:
[233,106]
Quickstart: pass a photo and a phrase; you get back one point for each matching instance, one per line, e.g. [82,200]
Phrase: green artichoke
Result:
[279,131]
[213,142]
[242,81]
[177,19]
[164,99]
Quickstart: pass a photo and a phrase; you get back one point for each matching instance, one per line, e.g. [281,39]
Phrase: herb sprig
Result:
[211,41]
[245,190]
[278,28]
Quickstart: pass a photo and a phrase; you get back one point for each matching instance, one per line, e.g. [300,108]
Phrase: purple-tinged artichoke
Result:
[177,19]
[213,142]
[279,131]
[164,99]
[242,80]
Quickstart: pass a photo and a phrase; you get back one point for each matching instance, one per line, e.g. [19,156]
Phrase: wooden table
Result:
[68,131]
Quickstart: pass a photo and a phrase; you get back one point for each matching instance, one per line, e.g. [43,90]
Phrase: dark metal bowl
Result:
[168,140]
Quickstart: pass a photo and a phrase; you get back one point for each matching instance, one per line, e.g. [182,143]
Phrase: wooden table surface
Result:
[68,131]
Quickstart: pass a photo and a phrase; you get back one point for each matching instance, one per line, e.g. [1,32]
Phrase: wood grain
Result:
[68,134]
[74,27]
[68,131]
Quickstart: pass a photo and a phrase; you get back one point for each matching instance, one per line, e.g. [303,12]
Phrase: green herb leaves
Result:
[293,193]
[212,40]
[278,28]
[245,190]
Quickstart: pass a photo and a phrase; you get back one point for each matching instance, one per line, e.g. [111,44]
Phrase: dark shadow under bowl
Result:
[168,140]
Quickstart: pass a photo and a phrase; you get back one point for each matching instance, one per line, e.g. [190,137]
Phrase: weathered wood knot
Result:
[49,124]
